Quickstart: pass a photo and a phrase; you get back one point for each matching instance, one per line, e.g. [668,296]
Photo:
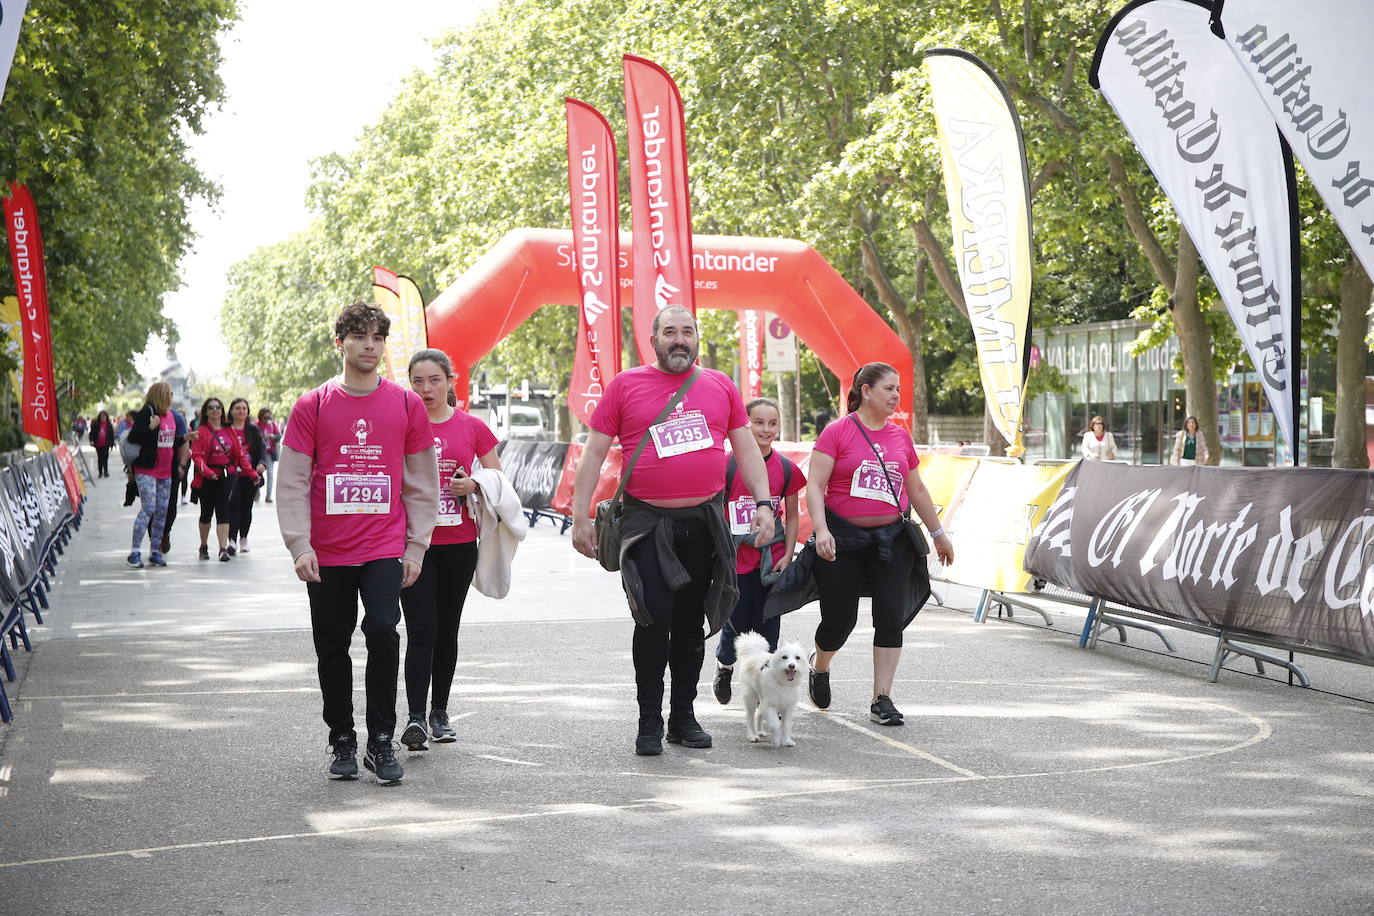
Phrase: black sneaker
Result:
[722,684]
[818,685]
[224,556]
[883,712]
[204,553]
[232,549]
[439,728]
[381,759]
[649,741]
[345,762]
[684,730]
[414,736]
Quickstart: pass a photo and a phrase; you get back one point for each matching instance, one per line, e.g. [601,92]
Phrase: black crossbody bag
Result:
[608,511]
[913,530]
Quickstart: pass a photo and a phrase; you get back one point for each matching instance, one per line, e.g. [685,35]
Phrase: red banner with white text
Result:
[659,205]
[751,354]
[39,404]
[592,182]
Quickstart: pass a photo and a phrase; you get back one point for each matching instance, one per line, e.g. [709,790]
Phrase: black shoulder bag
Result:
[608,511]
[913,530]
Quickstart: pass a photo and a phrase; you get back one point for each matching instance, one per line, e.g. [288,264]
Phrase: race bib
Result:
[165,438]
[357,494]
[450,512]
[742,515]
[870,482]
[687,432]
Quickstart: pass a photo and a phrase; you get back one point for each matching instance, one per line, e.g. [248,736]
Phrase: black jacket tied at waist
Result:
[640,520]
[797,587]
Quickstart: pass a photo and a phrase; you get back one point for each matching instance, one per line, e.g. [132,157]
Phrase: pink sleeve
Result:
[606,417]
[419,436]
[828,443]
[484,440]
[300,434]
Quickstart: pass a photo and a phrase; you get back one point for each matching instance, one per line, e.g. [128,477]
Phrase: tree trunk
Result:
[787,406]
[997,445]
[1195,342]
[1350,450]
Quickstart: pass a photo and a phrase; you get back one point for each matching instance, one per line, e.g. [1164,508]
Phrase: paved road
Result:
[168,758]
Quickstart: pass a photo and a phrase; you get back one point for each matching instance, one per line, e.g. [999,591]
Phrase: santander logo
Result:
[592,307]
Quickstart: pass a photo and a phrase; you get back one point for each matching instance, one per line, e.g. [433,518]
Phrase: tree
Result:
[100,101]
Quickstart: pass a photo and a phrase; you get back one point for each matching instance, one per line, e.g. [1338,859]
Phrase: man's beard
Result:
[677,358]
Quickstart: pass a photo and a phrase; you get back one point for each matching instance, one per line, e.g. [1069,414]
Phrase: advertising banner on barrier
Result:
[1210,141]
[945,477]
[750,323]
[1284,554]
[593,186]
[984,158]
[71,480]
[1308,61]
[38,407]
[992,519]
[660,208]
[11,15]
[534,470]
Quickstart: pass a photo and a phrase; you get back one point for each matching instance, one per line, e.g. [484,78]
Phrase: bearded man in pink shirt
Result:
[677,559]
[356,504]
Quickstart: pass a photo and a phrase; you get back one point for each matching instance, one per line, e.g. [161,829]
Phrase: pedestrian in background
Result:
[1098,444]
[154,431]
[219,461]
[1189,447]
[249,438]
[103,438]
[271,437]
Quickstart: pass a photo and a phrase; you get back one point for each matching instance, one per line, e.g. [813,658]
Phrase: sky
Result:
[302,78]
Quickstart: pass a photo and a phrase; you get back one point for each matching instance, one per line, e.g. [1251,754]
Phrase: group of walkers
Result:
[227,459]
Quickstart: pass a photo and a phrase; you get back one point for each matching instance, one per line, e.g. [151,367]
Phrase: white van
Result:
[519,422]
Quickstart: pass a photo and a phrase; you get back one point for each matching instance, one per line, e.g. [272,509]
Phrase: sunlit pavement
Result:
[168,757]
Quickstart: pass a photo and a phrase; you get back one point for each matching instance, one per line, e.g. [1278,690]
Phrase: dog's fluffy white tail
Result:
[751,643]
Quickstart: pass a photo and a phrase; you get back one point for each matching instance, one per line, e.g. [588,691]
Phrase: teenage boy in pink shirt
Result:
[677,559]
[356,505]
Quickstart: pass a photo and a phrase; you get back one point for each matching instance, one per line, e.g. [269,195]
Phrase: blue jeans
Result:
[748,615]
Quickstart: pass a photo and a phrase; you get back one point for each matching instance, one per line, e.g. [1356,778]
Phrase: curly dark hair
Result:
[362,317]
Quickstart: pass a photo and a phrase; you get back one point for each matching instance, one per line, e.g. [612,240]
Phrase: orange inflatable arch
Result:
[530,268]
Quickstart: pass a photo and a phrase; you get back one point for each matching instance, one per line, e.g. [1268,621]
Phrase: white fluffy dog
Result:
[772,684]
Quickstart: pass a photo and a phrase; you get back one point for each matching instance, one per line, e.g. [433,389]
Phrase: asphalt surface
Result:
[167,756]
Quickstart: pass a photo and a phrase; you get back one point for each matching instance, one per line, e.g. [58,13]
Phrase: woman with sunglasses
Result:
[218,460]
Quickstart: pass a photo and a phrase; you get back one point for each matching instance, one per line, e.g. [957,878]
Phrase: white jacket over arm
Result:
[501,526]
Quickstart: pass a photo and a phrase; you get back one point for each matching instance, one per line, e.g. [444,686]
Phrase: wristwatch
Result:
[772,505]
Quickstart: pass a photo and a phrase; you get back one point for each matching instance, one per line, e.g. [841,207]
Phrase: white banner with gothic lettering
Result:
[1210,141]
[1281,553]
[1309,62]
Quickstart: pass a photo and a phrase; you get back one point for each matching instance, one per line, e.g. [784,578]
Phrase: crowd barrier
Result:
[534,470]
[42,500]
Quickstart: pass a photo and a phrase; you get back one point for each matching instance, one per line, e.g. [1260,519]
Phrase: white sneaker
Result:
[243,546]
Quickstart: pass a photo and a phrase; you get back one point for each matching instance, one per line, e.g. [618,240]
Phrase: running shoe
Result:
[649,741]
[345,762]
[134,560]
[243,546]
[414,736]
[381,760]
[204,552]
[224,555]
[721,685]
[155,559]
[883,712]
[232,549]
[683,729]
[818,685]
[440,728]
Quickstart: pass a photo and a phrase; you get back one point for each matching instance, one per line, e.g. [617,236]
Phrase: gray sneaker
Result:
[439,727]
[414,736]
[345,762]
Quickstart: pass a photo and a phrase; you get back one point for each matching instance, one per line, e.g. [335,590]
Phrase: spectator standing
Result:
[1189,448]
[433,606]
[103,439]
[1098,444]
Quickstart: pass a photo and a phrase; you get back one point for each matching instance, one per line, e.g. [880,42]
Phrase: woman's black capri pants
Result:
[215,494]
[839,583]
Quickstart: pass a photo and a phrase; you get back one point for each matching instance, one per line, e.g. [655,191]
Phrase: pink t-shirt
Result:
[458,442]
[739,509]
[166,436]
[685,458]
[358,446]
[858,485]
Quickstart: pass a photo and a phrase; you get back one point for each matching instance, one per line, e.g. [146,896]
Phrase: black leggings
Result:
[333,617]
[433,607]
[102,460]
[676,639]
[241,508]
[214,495]
[839,583]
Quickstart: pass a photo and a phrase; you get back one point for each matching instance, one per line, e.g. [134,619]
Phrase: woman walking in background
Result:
[154,431]
[103,438]
[218,461]
[1189,447]
[271,437]
[249,438]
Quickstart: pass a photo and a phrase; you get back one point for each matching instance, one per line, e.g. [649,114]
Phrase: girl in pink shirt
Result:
[433,606]
[863,481]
